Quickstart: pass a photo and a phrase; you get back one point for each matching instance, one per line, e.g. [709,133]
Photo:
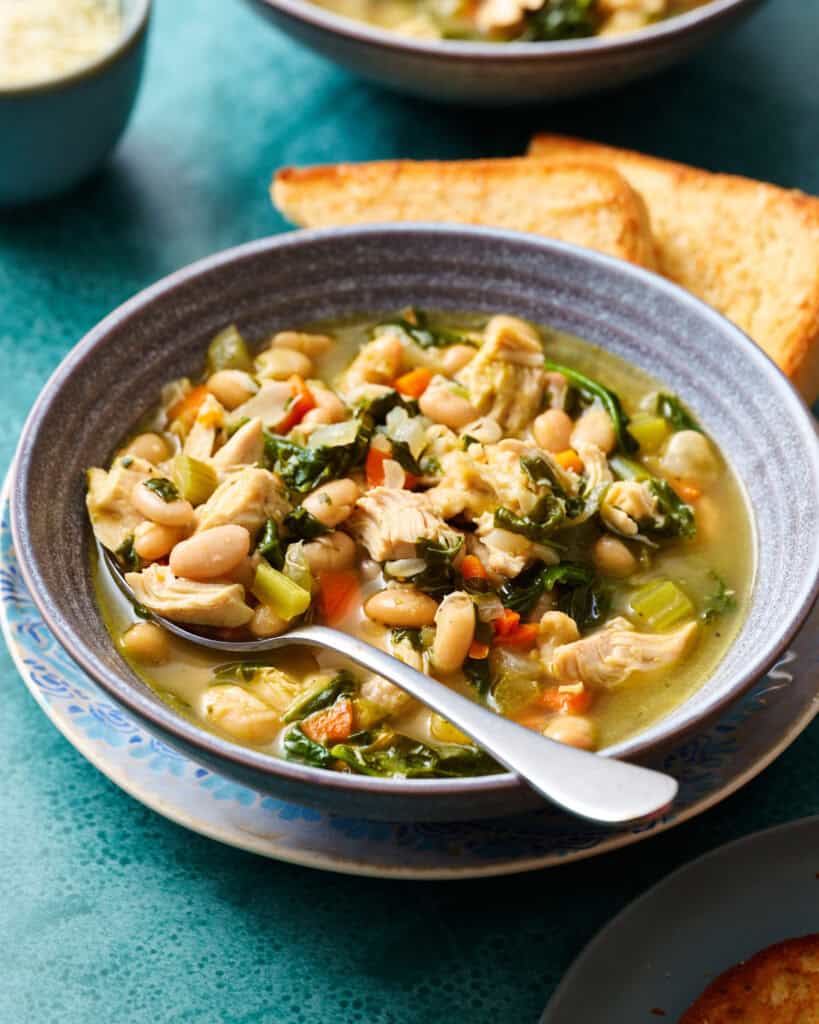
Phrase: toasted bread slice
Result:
[780,985]
[587,205]
[749,249]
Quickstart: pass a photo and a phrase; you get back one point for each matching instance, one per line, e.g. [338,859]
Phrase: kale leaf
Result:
[591,390]
[298,747]
[545,518]
[563,19]
[127,556]
[720,602]
[403,757]
[409,634]
[672,409]
[400,452]
[166,490]
[439,577]
[303,468]
[325,696]
[675,518]
[303,524]
[479,673]
[588,604]
[379,407]
[523,592]
[270,546]
[237,671]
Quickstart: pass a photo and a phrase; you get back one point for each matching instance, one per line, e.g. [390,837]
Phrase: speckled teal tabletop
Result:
[109,912]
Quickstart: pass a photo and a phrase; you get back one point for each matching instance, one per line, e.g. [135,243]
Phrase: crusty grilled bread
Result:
[780,985]
[589,205]
[749,249]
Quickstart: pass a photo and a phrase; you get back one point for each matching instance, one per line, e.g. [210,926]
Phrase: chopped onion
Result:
[403,568]
[394,476]
[412,430]
[488,606]
[334,434]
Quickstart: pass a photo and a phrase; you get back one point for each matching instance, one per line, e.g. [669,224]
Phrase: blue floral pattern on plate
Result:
[710,766]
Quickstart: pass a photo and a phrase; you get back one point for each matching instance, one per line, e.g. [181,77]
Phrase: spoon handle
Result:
[599,789]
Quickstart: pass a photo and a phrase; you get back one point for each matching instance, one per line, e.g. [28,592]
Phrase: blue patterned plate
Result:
[710,766]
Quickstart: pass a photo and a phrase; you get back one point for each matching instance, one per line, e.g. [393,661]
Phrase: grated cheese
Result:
[45,39]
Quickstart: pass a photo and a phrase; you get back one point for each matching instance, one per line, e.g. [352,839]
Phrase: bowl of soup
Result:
[553,481]
[496,52]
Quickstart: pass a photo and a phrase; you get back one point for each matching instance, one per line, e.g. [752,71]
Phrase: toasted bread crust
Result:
[749,249]
[587,204]
[780,985]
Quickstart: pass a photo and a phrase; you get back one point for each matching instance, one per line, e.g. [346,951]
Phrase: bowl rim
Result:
[566,50]
[134,29]
[163,718]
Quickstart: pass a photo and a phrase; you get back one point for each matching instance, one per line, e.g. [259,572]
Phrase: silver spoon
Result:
[599,789]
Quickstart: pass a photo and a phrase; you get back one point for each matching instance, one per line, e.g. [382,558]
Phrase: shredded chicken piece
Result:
[182,600]
[112,513]
[463,487]
[378,362]
[626,505]
[245,448]
[202,435]
[505,379]
[494,15]
[505,553]
[247,498]
[389,523]
[555,630]
[241,714]
[609,657]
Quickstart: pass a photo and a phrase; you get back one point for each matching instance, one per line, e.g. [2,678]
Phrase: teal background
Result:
[109,912]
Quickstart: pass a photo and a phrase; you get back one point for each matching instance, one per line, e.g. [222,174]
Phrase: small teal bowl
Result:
[55,133]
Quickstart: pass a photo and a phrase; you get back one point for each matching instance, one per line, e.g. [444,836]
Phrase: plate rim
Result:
[246,840]
[635,905]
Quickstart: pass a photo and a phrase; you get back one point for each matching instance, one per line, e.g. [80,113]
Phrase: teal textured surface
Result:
[108,910]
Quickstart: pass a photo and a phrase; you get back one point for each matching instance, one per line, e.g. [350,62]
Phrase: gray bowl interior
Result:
[115,373]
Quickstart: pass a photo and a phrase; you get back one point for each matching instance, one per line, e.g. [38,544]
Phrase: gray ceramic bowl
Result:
[56,133]
[115,373]
[497,74]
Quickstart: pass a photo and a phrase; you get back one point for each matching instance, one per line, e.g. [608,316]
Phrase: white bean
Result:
[333,551]
[594,427]
[150,447]
[281,363]
[152,541]
[401,606]
[442,405]
[232,388]
[146,642]
[613,558]
[311,345]
[688,456]
[329,408]
[553,430]
[573,730]
[154,507]
[454,631]
[332,503]
[211,553]
[456,357]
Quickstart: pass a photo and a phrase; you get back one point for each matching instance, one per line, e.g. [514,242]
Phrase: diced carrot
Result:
[478,651]
[374,466]
[572,702]
[414,383]
[506,623]
[338,590]
[472,568]
[687,492]
[524,635]
[331,725]
[302,403]
[569,459]
[188,406]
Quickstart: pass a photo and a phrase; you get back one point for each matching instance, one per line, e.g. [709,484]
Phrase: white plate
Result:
[710,766]
[692,926]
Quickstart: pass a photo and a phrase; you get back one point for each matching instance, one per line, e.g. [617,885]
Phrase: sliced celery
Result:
[661,604]
[628,469]
[229,351]
[649,431]
[279,593]
[195,480]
